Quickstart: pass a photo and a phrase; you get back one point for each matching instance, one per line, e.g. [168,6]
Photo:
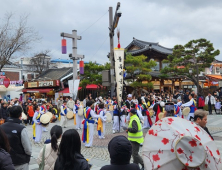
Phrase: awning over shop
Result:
[66,90]
[37,90]
[216,77]
[211,83]
[92,86]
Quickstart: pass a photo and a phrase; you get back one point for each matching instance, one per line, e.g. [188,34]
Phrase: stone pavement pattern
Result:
[99,152]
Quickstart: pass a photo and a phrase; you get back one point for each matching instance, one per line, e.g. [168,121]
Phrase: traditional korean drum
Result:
[160,115]
[151,112]
[106,106]
[108,117]
[49,114]
[80,111]
[186,111]
[111,108]
[69,115]
[24,116]
[45,119]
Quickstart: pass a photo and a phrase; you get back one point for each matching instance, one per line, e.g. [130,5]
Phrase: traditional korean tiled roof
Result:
[217,61]
[144,46]
[55,73]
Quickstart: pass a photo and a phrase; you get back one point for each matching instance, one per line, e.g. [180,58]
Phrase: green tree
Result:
[93,74]
[195,56]
[138,68]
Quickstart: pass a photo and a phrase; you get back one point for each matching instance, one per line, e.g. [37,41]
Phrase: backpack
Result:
[201,102]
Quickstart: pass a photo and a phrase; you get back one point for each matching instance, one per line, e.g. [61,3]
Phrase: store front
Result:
[41,89]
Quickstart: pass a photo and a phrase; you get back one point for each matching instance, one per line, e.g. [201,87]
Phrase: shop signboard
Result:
[45,83]
[32,84]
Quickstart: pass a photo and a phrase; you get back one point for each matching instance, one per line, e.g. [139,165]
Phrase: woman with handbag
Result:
[69,155]
[5,158]
[48,154]
[3,113]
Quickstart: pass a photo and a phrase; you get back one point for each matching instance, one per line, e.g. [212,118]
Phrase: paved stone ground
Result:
[99,153]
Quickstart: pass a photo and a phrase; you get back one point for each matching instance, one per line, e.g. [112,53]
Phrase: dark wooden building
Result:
[156,52]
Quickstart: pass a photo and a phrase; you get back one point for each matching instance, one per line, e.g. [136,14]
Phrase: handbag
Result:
[42,164]
[2,121]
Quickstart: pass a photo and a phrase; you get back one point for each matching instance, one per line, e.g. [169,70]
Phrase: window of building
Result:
[157,67]
[217,69]
[164,65]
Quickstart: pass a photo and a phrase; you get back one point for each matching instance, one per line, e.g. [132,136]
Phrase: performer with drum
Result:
[101,124]
[37,127]
[139,112]
[96,104]
[177,110]
[88,124]
[127,109]
[63,113]
[115,117]
[43,110]
[147,120]
[192,106]
[78,110]
[70,104]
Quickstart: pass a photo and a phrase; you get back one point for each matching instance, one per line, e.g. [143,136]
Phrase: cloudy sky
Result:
[168,22]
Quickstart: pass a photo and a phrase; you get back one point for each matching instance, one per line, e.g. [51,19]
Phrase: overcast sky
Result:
[168,22]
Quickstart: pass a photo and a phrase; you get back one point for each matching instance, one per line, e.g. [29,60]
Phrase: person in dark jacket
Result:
[186,97]
[69,155]
[21,148]
[3,111]
[120,150]
[200,118]
[5,158]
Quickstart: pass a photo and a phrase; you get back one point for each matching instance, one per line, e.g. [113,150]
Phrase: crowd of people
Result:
[63,150]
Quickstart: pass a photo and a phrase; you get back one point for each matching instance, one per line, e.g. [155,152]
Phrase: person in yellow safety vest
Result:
[135,136]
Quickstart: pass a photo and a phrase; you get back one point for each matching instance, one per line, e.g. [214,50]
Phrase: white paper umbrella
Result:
[174,143]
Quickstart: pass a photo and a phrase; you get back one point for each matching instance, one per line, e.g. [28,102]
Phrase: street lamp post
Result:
[74,56]
[112,25]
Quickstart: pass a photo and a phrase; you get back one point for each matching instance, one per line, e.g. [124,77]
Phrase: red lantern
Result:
[81,67]
[6,82]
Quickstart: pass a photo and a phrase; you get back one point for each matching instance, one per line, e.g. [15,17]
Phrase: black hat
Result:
[133,111]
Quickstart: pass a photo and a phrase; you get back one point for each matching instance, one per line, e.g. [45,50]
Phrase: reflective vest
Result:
[135,137]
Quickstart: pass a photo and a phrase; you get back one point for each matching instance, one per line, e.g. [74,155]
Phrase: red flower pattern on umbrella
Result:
[197,129]
[156,157]
[170,121]
[180,151]
[193,143]
[151,132]
[218,152]
[165,141]
[197,137]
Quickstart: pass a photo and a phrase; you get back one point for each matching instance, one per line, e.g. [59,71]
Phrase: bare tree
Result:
[15,38]
[40,61]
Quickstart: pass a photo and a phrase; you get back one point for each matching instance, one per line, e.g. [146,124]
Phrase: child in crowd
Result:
[218,106]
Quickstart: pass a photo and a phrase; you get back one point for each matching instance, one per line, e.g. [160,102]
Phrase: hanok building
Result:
[156,52]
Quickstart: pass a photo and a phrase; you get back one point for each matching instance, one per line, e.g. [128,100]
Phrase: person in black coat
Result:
[120,150]
[69,155]
[3,111]
[5,158]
